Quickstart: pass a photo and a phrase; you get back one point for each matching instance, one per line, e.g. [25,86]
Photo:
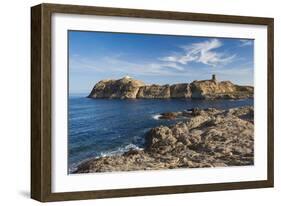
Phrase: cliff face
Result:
[125,88]
[128,88]
[154,92]
[180,91]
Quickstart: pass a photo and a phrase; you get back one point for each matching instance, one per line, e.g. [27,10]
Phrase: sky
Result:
[156,59]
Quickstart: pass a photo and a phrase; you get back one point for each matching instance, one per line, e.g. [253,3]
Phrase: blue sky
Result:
[158,59]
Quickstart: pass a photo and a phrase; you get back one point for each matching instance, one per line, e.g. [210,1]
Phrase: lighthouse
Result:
[127,77]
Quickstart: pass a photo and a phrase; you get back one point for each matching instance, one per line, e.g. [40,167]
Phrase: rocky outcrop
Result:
[125,88]
[169,115]
[128,88]
[212,89]
[208,138]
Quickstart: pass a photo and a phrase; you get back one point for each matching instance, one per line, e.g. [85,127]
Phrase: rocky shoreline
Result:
[129,88]
[202,138]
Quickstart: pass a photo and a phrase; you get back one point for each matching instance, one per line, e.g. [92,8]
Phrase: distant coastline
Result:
[129,88]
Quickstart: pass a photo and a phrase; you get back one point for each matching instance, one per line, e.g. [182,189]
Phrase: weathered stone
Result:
[154,92]
[180,91]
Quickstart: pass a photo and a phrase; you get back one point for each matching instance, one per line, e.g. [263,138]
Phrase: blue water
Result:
[100,127]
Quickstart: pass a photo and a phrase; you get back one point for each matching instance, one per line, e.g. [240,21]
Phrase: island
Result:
[129,88]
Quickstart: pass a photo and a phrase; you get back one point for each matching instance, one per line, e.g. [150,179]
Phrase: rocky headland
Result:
[202,138]
[129,88]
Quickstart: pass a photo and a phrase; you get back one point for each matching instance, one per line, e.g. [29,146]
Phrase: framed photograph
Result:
[130,102]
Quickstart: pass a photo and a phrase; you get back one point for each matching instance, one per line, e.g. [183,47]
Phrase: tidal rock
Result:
[170,115]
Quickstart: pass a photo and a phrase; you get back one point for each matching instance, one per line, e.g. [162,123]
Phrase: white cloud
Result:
[175,65]
[115,64]
[245,43]
[179,59]
[166,65]
[202,52]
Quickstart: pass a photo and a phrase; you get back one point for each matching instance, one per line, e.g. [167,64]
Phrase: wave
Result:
[156,116]
[120,150]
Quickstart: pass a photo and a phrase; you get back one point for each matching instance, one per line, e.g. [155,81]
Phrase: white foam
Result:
[120,150]
[156,116]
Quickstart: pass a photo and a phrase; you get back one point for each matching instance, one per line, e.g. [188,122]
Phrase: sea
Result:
[104,127]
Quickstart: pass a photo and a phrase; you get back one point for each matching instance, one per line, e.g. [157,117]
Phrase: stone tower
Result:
[214,78]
